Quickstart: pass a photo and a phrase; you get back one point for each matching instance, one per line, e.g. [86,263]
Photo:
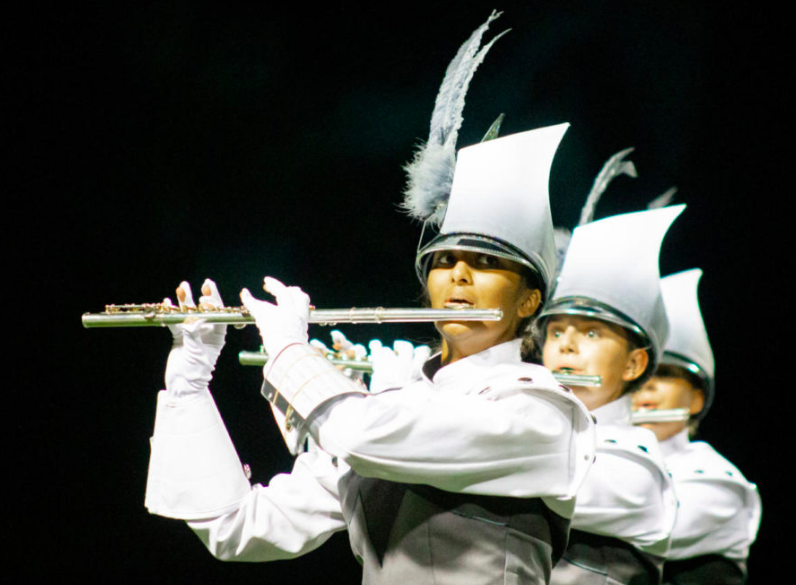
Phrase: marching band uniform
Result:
[626,508]
[720,510]
[467,476]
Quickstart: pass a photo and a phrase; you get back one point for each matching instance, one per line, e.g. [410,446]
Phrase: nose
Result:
[460,273]
[566,341]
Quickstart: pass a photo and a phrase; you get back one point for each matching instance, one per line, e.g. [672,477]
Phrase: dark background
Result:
[152,143]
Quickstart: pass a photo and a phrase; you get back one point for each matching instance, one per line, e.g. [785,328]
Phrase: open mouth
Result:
[455,303]
[567,370]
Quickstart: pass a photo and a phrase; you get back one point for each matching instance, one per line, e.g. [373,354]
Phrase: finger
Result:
[421,354]
[167,304]
[273,286]
[319,345]
[185,296]
[374,346]
[360,353]
[340,341]
[403,349]
[210,295]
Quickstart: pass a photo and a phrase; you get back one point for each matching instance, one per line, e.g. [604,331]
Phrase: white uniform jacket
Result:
[628,495]
[719,509]
[488,425]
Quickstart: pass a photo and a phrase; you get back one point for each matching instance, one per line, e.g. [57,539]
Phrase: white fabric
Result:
[487,424]
[195,347]
[719,509]
[397,366]
[627,493]
[282,323]
[500,190]
[306,379]
[687,334]
[614,261]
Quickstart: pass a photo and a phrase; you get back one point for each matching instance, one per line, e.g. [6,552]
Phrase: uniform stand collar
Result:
[675,444]
[615,413]
[471,367]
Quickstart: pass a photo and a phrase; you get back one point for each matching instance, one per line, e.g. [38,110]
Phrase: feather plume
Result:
[430,173]
[494,129]
[663,199]
[613,167]
[561,236]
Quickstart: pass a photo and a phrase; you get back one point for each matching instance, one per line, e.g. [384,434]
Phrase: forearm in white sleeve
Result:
[533,442]
[294,514]
[297,381]
[194,470]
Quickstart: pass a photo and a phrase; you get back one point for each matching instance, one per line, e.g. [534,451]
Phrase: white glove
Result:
[196,345]
[396,367]
[283,323]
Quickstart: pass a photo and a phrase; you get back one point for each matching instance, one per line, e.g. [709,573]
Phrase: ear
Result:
[636,364]
[697,402]
[533,297]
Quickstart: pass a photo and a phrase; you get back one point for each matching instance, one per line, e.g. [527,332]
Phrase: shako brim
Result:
[473,243]
[586,307]
[672,359]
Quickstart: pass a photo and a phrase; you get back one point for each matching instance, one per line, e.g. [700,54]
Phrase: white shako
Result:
[499,202]
[611,273]
[688,345]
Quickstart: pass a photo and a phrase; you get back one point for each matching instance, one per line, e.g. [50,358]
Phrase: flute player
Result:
[467,475]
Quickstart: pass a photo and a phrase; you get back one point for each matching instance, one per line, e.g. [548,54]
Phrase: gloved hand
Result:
[396,367]
[196,345]
[282,323]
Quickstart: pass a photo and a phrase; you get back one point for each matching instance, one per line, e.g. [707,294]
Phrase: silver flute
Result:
[258,358]
[651,416]
[159,315]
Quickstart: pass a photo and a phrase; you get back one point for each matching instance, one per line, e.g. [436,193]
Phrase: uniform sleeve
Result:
[520,440]
[713,518]
[627,494]
[295,514]
[195,475]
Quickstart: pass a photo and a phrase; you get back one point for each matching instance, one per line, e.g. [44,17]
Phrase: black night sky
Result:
[156,142]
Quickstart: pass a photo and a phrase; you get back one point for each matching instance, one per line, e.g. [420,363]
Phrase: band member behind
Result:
[719,512]
[606,318]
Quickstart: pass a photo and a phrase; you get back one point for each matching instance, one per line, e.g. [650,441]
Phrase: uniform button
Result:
[247,471]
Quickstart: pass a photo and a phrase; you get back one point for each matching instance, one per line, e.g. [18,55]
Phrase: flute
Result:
[651,416]
[259,358]
[159,315]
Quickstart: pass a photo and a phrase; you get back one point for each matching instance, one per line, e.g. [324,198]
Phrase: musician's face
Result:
[580,345]
[665,392]
[474,280]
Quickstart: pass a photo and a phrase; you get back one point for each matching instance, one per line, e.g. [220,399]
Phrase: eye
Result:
[442,259]
[488,261]
[592,334]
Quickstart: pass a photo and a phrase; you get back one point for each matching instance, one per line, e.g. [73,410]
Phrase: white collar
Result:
[476,366]
[675,444]
[615,413]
